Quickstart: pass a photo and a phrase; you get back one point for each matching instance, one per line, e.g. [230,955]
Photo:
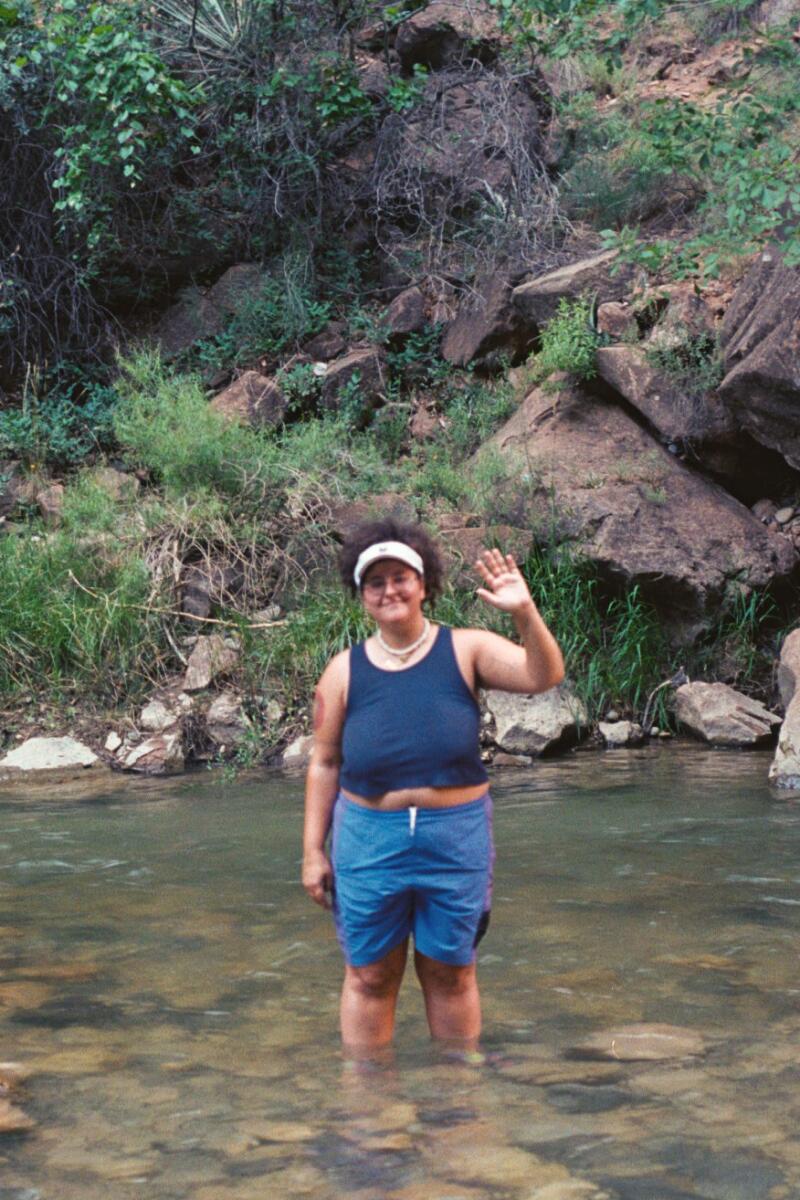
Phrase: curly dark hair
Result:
[389,530]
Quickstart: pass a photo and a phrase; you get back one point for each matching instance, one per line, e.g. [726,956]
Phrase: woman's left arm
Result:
[534,666]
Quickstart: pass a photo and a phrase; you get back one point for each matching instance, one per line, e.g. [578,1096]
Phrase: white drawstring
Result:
[412,819]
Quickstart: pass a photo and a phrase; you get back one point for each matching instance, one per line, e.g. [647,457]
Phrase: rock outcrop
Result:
[761,342]
[722,716]
[201,314]
[582,470]
[537,299]
[445,33]
[486,322]
[785,769]
[212,658]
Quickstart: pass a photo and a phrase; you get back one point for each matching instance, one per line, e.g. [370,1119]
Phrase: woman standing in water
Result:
[396,775]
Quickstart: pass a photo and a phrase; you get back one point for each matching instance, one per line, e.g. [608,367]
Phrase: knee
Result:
[443,977]
[374,982]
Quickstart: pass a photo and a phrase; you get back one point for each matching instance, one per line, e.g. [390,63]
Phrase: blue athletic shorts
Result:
[420,871]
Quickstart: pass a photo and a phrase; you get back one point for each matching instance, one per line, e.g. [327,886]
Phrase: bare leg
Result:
[452,1002]
[369,1000]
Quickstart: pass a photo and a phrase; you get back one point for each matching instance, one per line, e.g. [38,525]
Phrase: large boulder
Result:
[552,720]
[537,299]
[583,471]
[676,414]
[724,717]
[486,322]
[761,343]
[446,32]
[49,754]
[252,399]
[785,769]
[201,314]
[227,724]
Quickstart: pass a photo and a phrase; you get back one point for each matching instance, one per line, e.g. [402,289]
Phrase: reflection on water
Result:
[174,996]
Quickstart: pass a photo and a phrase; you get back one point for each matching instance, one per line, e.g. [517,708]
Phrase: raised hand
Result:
[504,587]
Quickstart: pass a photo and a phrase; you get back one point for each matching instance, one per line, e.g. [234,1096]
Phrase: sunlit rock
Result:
[49,754]
[212,657]
[722,716]
[536,724]
[785,769]
[298,752]
[161,754]
[616,734]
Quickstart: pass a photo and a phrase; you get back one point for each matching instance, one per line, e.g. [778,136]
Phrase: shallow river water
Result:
[174,996]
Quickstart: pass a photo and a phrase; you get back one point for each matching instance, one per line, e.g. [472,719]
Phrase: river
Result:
[174,997]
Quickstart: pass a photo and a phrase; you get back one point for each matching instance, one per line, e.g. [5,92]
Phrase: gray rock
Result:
[644,1042]
[227,724]
[722,716]
[298,752]
[535,724]
[785,769]
[113,742]
[51,504]
[49,754]
[617,734]
[199,314]
[210,659]
[161,754]
[156,715]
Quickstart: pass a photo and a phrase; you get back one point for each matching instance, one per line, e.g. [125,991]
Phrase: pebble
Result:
[783,515]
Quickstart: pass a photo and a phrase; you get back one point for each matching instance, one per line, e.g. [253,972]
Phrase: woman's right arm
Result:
[322,780]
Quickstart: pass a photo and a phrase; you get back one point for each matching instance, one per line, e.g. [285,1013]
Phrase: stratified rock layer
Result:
[722,716]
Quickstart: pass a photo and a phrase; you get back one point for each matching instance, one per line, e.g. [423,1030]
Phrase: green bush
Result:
[63,419]
[569,343]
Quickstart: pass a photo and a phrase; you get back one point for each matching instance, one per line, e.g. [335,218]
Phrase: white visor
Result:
[398,550]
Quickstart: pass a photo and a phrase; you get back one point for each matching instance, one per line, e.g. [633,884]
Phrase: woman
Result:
[396,773]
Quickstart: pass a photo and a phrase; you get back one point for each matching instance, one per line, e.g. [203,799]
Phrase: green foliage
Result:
[56,635]
[569,342]
[64,418]
[615,649]
[108,98]
[694,364]
[337,93]
[165,425]
[404,94]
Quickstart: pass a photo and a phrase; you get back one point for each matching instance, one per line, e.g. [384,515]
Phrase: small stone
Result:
[502,759]
[113,742]
[764,509]
[612,715]
[784,515]
[654,731]
[617,734]
[156,716]
[664,733]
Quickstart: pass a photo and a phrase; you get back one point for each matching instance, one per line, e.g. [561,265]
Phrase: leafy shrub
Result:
[569,342]
[72,419]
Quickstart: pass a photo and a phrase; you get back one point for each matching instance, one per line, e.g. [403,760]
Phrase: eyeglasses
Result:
[378,583]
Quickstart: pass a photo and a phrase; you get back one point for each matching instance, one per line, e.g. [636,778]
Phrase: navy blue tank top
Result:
[412,728]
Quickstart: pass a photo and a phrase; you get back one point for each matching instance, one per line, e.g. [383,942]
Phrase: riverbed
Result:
[174,997]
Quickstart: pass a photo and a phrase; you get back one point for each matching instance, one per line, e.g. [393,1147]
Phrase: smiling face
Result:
[392,592]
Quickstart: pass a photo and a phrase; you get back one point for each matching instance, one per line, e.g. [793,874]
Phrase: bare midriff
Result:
[426,797]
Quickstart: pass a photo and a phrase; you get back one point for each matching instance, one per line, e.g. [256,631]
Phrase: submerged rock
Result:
[632,1043]
[722,716]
